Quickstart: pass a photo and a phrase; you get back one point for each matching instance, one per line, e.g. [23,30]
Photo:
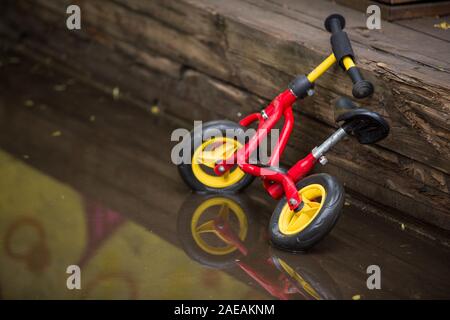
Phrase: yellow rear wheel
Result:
[208,154]
[217,140]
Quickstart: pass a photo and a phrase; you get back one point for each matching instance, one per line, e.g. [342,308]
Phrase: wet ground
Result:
[86,179]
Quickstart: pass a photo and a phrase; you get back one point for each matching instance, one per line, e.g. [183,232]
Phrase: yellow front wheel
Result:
[322,199]
[218,140]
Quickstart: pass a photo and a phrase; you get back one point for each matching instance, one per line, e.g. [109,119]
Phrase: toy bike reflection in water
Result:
[228,231]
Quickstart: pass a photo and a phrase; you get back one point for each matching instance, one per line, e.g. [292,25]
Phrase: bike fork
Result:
[303,166]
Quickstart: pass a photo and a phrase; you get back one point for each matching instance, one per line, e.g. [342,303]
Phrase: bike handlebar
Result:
[343,51]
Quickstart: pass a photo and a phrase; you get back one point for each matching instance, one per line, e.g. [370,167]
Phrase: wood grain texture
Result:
[429,26]
[393,10]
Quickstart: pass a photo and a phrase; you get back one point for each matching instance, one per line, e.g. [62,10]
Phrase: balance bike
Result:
[309,206]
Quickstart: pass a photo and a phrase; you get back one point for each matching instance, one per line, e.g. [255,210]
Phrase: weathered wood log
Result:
[206,60]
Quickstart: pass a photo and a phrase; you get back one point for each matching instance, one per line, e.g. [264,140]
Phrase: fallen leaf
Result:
[56,133]
[59,87]
[92,118]
[443,25]
[154,110]
[356,297]
[403,227]
[29,103]
[116,93]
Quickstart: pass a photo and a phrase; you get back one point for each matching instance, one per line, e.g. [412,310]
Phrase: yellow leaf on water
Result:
[59,87]
[56,133]
[356,297]
[443,25]
[29,103]
[116,93]
[154,110]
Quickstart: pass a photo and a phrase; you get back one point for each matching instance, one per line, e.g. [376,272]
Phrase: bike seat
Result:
[366,126]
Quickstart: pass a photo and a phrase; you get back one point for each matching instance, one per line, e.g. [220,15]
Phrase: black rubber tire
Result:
[190,246]
[185,169]
[322,223]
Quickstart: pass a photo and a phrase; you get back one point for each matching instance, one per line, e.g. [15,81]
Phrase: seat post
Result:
[337,136]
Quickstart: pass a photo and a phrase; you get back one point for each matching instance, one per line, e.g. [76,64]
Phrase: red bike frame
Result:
[274,182]
[278,183]
[280,107]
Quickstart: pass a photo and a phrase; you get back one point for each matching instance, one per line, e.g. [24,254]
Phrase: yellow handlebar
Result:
[361,88]
[326,64]
[321,68]
[348,63]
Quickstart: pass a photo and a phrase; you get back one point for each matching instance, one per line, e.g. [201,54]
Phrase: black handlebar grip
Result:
[340,43]
[342,48]
[334,23]
[361,88]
